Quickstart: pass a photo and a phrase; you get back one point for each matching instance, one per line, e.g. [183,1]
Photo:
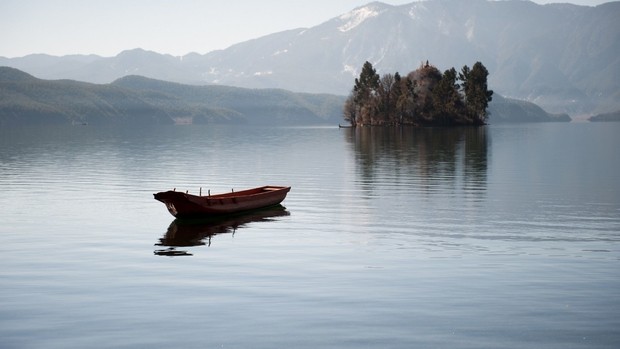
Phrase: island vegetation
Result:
[424,97]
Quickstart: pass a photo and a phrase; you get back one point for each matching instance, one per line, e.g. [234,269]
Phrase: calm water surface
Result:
[496,237]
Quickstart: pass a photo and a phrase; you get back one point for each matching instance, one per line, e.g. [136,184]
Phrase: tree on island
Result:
[425,97]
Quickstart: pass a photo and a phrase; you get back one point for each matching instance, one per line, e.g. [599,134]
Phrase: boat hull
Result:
[187,206]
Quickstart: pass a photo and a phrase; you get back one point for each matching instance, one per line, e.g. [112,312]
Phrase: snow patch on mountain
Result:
[279,52]
[350,69]
[416,9]
[357,17]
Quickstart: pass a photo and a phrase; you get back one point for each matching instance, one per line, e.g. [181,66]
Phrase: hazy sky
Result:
[177,27]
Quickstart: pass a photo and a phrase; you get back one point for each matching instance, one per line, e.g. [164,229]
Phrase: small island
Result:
[425,97]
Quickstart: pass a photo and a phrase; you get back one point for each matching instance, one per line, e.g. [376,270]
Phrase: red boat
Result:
[187,206]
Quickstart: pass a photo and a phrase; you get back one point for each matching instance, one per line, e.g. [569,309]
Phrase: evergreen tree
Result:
[463,77]
[446,101]
[387,103]
[406,102]
[395,93]
[364,94]
[477,94]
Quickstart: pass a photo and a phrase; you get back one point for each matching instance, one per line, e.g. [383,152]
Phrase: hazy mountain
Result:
[269,106]
[509,110]
[613,116]
[25,99]
[563,57]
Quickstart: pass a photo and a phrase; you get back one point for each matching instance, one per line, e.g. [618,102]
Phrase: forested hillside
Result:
[25,99]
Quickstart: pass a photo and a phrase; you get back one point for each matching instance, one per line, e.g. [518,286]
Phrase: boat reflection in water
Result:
[187,233]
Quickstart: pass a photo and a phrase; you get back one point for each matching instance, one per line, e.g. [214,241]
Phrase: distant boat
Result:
[187,206]
[345,126]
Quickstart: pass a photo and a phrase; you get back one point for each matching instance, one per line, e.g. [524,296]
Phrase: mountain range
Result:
[137,100]
[563,57]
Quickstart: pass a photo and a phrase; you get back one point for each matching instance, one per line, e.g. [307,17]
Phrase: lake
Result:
[492,237]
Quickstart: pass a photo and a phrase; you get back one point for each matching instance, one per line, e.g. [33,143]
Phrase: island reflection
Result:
[187,233]
[432,155]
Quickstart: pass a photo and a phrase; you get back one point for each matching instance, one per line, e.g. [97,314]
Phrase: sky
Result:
[176,27]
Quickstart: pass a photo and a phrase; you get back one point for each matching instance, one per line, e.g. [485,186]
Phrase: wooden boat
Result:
[187,206]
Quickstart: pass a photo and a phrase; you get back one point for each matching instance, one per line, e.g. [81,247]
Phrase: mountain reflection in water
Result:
[187,233]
